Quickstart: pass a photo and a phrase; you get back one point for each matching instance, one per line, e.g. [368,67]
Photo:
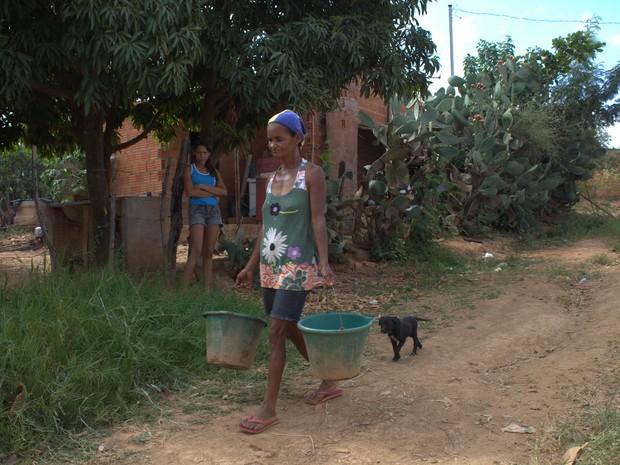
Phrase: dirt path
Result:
[529,352]
[528,349]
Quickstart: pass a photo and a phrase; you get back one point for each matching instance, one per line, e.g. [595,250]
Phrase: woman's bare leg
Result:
[211,234]
[278,330]
[297,338]
[195,251]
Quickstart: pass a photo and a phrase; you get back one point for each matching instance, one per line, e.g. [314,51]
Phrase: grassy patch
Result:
[13,230]
[573,226]
[598,424]
[602,260]
[93,349]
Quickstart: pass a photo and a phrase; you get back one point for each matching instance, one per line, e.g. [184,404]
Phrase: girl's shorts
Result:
[284,304]
[206,215]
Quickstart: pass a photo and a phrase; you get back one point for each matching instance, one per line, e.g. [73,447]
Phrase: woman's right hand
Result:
[245,279]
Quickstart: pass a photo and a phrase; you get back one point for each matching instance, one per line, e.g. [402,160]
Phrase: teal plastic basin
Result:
[335,343]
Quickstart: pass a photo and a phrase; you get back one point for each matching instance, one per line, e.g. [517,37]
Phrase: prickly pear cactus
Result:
[456,161]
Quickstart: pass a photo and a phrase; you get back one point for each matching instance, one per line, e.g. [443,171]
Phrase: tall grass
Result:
[89,346]
[14,230]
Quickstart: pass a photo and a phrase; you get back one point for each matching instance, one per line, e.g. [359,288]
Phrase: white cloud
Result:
[614,132]
[613,40]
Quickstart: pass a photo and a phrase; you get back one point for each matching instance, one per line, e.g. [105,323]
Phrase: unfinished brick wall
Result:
[142,166]
[372,106]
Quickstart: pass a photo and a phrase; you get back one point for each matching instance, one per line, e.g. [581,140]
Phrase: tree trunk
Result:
[176,205]
[98,188]
[207,119]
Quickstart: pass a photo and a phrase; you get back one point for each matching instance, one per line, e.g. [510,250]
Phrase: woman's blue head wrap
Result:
[291,120]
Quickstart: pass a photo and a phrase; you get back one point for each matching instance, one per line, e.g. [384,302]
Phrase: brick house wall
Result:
[141,167]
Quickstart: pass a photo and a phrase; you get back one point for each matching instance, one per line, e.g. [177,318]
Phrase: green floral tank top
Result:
[288,258]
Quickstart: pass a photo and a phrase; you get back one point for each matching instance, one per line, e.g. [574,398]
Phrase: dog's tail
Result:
[422,319]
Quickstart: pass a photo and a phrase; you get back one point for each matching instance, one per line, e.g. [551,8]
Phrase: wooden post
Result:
[237,189]
[40,218]
[164,188]
[85,234]
[246,173]
[113,207]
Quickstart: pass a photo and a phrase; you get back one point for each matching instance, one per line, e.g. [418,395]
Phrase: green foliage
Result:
[13,230]
[16,180]
[576,225]
[335,206]
[489,54]
[65,178]
[90,348]
[71,73]
[473,160]
[393,250]
[495,149]
[611,95]
[238,250]
[61,62]
[568,81]
[397,199]
[301,55]
[16,173]
[605,185]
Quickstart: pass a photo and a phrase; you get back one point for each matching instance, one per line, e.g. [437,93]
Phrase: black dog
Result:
[399,330]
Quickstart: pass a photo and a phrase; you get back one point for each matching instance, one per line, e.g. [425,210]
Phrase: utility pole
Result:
[451,47]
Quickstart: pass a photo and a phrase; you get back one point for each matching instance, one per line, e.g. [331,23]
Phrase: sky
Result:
[529,23]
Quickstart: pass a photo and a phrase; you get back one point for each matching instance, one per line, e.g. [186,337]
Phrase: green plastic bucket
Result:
[232,339]
[335,343]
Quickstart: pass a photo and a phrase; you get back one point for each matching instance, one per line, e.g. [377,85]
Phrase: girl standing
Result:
[203,184]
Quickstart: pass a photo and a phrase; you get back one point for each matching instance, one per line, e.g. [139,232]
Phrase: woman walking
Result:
[293,258]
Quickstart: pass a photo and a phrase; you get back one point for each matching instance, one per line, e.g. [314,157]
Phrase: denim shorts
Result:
[283,304]
[206,215]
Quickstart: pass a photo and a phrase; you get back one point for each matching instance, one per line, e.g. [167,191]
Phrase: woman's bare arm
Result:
[315,182]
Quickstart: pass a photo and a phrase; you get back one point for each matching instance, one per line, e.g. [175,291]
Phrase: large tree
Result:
[489,54]
[262,55]
[611,94]
[73,70]
[566,82]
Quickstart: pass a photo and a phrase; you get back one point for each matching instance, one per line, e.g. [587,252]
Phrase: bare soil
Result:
[526,351]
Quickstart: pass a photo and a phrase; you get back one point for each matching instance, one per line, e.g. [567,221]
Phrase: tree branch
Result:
[138,138]
[47,89]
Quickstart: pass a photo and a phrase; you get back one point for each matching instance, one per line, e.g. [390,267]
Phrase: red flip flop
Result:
[264,425]
[325,396]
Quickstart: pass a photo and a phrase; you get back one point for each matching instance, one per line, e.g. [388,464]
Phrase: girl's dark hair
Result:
[195,144]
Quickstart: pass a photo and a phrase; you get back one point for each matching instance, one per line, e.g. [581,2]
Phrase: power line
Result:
[533,19]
